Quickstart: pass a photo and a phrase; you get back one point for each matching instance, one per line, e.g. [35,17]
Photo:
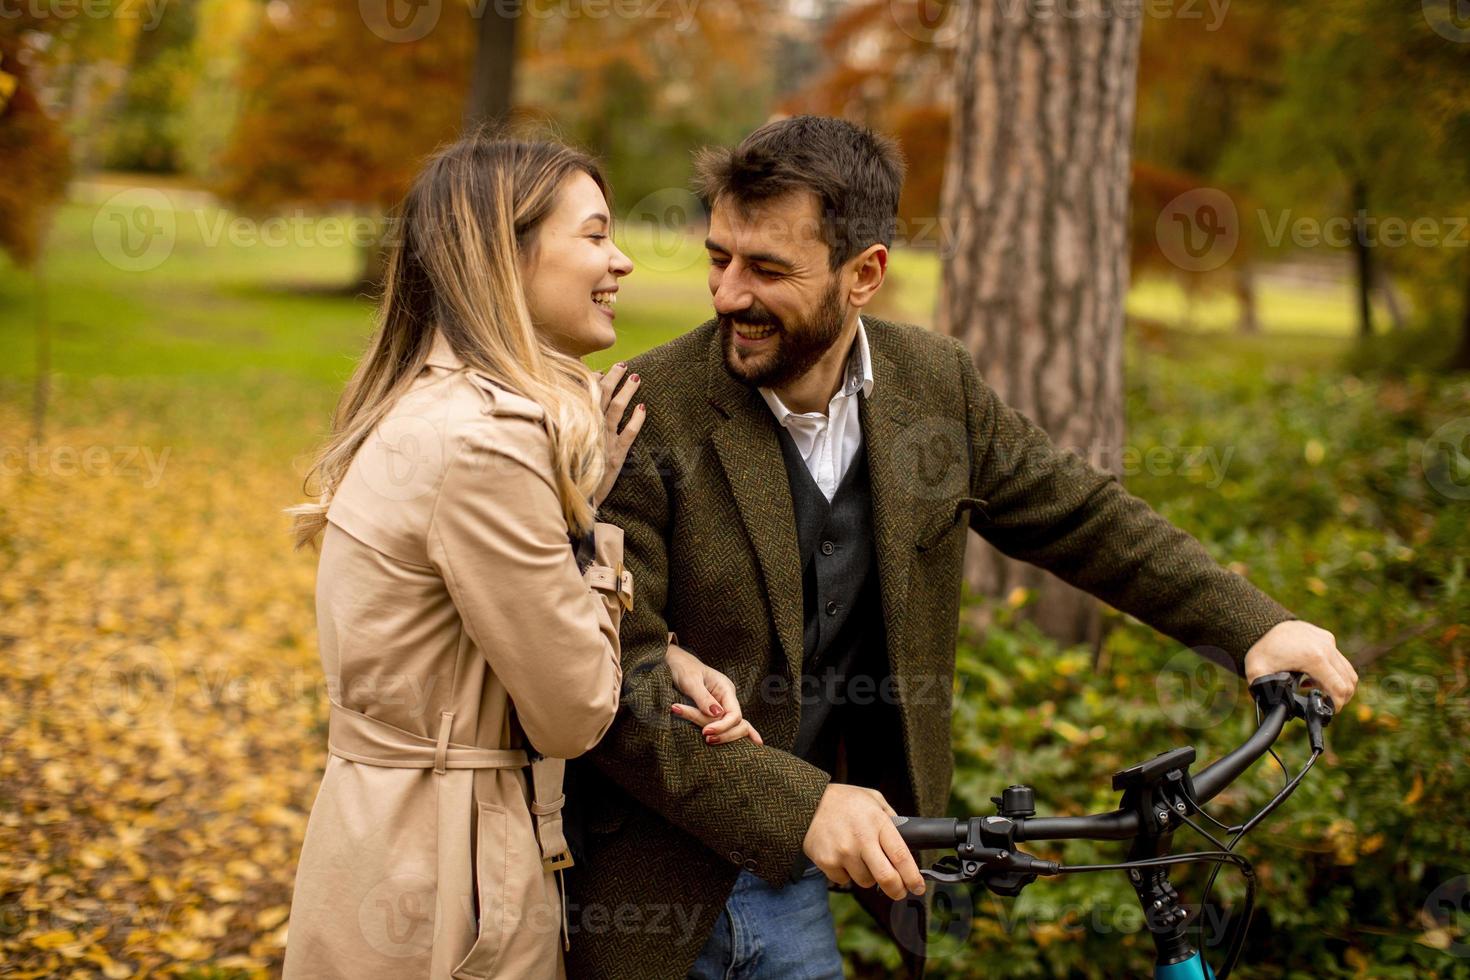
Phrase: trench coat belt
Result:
[359,738]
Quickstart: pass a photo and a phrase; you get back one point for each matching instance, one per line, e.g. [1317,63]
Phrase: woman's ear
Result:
[868,271]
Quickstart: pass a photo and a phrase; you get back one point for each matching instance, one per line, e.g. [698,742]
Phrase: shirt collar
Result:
[857,376]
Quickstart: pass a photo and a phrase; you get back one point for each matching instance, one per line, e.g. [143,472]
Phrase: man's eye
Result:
[767,273]
[718,263]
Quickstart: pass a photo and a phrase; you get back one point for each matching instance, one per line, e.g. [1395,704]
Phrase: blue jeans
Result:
[767,933]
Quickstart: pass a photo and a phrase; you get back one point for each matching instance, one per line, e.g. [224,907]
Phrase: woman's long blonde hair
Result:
[455,264]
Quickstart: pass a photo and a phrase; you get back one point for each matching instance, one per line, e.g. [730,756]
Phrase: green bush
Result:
[1323,501]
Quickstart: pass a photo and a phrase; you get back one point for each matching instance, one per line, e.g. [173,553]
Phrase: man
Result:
[781,519]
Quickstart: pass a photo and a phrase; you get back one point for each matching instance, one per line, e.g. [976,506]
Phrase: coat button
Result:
[736,857]
[750,864]
[828,547]
[831,607]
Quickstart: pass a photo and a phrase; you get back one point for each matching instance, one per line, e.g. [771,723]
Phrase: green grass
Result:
[232,314]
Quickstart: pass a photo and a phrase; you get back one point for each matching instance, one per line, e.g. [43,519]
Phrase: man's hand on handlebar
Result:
[1299,646]
[852,839]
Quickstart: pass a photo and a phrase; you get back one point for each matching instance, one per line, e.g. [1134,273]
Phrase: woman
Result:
[466,653]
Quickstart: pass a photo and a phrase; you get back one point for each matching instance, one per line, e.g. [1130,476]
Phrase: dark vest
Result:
[842,636]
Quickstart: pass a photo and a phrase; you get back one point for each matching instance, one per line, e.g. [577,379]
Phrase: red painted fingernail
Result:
[675,708]
[635,377]
[715,711]
[710,739]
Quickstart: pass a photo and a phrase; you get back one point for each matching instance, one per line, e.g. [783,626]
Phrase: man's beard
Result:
[798,345]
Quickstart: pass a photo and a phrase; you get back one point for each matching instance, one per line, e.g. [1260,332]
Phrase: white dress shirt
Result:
[829,440]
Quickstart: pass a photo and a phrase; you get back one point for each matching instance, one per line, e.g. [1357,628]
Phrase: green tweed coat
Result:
[710,537]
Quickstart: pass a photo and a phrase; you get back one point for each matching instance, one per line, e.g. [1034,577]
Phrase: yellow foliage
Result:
[164,711]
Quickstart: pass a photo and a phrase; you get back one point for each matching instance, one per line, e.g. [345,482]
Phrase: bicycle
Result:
[1159,797]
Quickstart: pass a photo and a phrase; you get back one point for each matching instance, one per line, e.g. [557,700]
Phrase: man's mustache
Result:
[753,316]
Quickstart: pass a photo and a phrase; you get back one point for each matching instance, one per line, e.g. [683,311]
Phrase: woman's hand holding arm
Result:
[717,708]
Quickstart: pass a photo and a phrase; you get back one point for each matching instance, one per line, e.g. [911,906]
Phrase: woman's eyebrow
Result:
[597,216]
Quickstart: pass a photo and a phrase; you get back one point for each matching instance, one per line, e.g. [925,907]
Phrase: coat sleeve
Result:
[498,537]
[1049,507]
[750,804]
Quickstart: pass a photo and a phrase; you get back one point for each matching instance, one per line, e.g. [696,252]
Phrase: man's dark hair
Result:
[855,173]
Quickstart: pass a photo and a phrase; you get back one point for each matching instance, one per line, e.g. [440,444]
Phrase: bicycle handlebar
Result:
[947,832]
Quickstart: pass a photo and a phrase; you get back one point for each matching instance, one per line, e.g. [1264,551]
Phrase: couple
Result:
[741,625]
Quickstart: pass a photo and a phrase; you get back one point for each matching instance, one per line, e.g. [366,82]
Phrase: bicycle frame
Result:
[1159,796]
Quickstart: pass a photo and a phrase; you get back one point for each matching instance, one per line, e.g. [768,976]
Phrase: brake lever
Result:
[1314,707]
[1319,712]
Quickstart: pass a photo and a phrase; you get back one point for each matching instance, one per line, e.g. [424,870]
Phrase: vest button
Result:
[831,607]
[828,547]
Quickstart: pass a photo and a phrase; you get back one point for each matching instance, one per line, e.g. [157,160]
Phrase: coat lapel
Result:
[884,418]
[750,453]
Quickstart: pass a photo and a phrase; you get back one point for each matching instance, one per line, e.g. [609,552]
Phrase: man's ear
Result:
[868,270]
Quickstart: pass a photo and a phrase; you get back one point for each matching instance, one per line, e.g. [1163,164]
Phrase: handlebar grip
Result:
[931,832]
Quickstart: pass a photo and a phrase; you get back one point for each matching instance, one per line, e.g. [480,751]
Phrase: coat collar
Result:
[750,452]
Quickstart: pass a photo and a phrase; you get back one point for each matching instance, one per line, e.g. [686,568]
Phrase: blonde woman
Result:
[467,653]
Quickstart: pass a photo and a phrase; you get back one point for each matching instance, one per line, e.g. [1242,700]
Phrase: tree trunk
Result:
[1249,323]
[374,260]
[1363,253]
[41,394]
[492,84]
[1393,300]
[1036,192]
[1461,359]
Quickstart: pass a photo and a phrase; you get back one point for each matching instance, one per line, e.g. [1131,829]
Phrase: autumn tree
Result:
[318,131]
[1036,189]
[37,167]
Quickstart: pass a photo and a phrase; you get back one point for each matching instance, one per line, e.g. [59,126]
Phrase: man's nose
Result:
[732,294]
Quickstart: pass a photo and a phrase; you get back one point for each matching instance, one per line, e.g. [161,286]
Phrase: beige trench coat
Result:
[454,628]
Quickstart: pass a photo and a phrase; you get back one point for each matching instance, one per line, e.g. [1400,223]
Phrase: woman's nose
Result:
[621,264]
